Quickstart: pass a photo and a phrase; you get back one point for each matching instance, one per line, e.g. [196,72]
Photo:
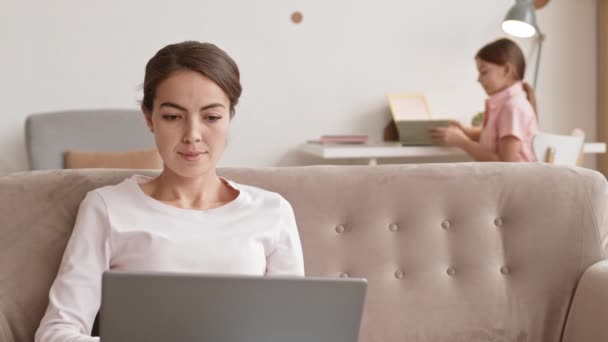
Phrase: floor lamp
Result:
[520,22]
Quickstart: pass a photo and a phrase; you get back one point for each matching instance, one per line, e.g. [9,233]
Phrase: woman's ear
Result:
[148,117]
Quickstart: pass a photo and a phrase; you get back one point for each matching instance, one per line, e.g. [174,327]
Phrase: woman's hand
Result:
[452,135]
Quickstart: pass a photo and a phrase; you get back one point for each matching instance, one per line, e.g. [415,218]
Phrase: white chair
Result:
[559,149]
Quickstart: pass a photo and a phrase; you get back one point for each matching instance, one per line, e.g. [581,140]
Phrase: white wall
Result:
[327,75]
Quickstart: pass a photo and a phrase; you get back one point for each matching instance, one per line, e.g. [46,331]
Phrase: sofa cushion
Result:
[134,159]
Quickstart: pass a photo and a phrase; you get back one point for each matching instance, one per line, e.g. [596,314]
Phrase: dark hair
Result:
[503,51]
[205,58]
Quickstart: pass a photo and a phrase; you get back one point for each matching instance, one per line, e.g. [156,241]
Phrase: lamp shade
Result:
[520,21]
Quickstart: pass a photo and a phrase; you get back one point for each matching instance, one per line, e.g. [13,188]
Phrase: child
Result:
[509,122]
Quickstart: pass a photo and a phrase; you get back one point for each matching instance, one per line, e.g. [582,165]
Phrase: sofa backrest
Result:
[49,135]
[452,252]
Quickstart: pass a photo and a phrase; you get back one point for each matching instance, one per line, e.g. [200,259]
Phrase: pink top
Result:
[509,113]
[120,227]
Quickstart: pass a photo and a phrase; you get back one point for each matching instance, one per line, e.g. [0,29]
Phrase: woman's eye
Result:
[213,117]
[170,117]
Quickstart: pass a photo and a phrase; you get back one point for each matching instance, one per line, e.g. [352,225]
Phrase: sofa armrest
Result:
[589,309]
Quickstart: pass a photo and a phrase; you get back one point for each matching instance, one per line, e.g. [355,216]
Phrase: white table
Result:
[373,152]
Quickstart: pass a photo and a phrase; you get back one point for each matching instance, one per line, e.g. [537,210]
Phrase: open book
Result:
[412,116]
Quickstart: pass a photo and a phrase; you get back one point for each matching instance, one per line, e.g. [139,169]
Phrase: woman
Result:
[187,219]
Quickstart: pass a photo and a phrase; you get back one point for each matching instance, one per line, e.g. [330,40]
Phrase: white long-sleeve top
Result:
[121,227]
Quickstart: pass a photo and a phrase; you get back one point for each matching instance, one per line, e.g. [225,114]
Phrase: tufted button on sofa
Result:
[452,252]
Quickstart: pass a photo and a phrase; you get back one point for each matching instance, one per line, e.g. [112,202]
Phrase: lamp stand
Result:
[541,38]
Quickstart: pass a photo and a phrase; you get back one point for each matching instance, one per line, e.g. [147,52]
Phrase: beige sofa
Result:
[452,252]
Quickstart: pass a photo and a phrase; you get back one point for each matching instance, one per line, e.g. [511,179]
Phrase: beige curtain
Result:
[602,79]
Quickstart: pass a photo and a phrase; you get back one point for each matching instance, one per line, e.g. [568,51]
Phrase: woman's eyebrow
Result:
[213,105]
[176,106]
[172,105]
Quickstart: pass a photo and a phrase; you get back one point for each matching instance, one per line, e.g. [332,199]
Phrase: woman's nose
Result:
[191,139]
[192,133]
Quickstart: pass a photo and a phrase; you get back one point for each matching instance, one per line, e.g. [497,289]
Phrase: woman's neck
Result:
[203,192]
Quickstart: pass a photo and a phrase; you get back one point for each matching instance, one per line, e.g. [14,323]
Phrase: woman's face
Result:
[493,77]
[190,120]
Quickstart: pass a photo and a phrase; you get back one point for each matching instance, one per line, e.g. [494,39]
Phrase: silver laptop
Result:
[155,307]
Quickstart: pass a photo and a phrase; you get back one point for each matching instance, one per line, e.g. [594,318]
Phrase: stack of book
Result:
[341,139]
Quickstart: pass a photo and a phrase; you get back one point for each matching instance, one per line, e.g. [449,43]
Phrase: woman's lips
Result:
[191,156]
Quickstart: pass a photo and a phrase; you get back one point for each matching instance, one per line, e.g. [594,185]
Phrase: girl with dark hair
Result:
[187,219]
[510,120]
